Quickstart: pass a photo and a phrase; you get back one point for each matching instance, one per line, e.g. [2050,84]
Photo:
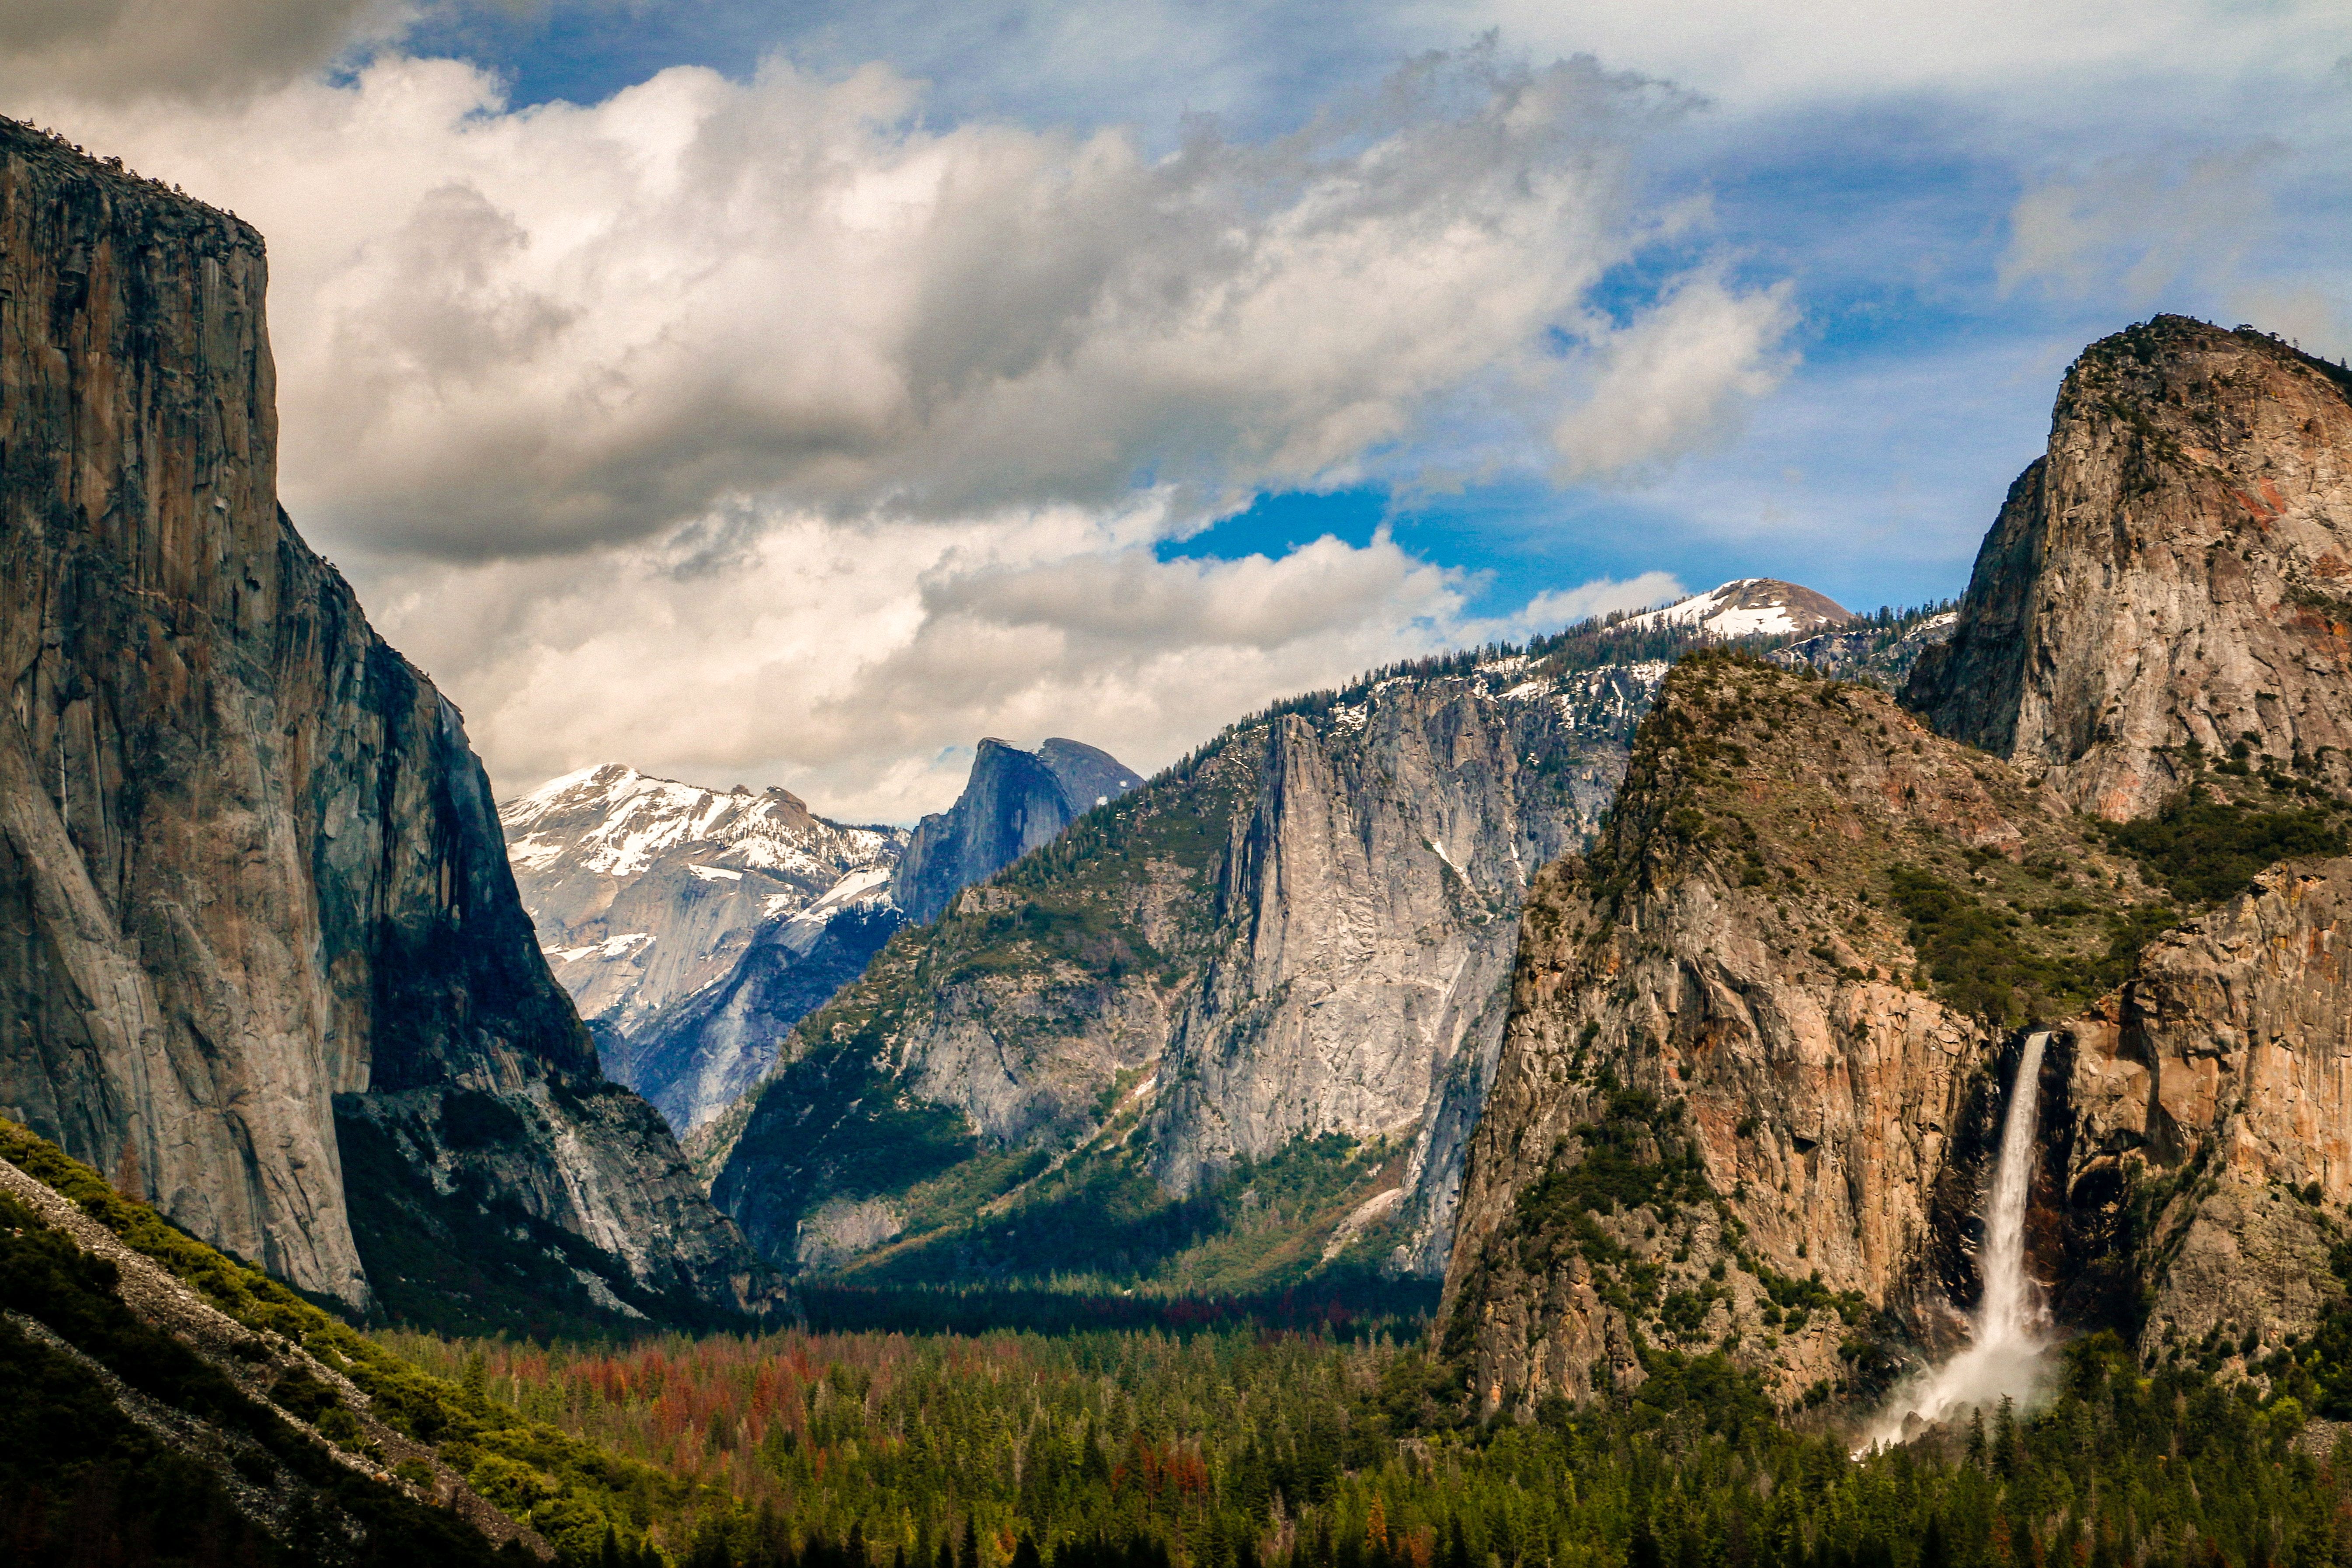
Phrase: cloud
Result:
[2141,224]
[507,332]
[1558,607]
[856,662]
[116,50]
[1676,379]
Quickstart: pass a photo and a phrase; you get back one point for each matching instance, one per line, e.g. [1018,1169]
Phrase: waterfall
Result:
[2004,1353]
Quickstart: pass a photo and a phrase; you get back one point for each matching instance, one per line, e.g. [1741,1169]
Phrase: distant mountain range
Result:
[694,926]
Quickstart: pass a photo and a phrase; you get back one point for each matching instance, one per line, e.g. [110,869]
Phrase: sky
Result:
[781,392]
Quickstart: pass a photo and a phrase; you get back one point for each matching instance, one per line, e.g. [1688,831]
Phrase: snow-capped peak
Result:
[1750,606]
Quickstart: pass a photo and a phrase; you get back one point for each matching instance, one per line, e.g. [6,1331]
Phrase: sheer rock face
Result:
[1309,932]
[1013,801]
[2228,1071]
[247,863]
[2177,570]
[1728,950]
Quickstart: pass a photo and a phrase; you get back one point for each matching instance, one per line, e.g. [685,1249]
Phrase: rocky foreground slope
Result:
[266,965]
[1233,1027]
[1760,1034]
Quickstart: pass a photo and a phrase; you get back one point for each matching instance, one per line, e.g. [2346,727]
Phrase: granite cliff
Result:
[1760,1034]
[266,964]
[1233,1027]
[2171,580]
[1013,801]
[1756,1035]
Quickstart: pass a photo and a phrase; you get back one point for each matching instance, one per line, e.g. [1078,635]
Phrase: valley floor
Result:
[1238,1445]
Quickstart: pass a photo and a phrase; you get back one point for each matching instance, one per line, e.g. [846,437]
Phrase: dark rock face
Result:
[1013,801]
[2175,572]
[250,870]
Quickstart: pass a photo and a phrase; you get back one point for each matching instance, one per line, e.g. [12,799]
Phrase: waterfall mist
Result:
[2011,1327]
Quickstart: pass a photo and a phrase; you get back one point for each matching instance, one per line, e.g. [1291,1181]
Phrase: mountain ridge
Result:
[1087,1030]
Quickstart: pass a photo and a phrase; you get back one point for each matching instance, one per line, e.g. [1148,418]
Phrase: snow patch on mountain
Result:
[1750,606]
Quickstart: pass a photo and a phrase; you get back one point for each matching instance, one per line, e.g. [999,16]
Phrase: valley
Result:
[1735,1081]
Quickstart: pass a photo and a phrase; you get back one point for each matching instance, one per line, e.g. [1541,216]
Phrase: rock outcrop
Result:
[2218,1093]
[251,876]
[1013,801]
[2173,579]
[1748,1093]
[693,927]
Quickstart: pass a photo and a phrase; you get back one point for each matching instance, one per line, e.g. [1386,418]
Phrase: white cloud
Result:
[1680,377]
[2140,225]
[764,431]
[2206,233]
[508,333]
[856,662]
[1558,607]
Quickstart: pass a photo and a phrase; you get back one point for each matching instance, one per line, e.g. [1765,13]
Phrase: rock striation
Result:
[2171,579]
[256,898]
[693,927]
[1013,801]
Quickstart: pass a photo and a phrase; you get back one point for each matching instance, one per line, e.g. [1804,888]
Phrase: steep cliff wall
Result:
[1756,1038]
[248,864]
[1259,995]
[2175,572]
[2165,605]
[2218,1093]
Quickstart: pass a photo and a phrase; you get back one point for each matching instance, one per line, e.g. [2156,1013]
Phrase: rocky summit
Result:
[2171,580]
[1750,607]
[266,965]
[1013,801]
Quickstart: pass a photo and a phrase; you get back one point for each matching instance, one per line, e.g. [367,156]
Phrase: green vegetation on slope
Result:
[571,1492]
[2207,847]
[1873,846]
[77,1472]
[1101,1219]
